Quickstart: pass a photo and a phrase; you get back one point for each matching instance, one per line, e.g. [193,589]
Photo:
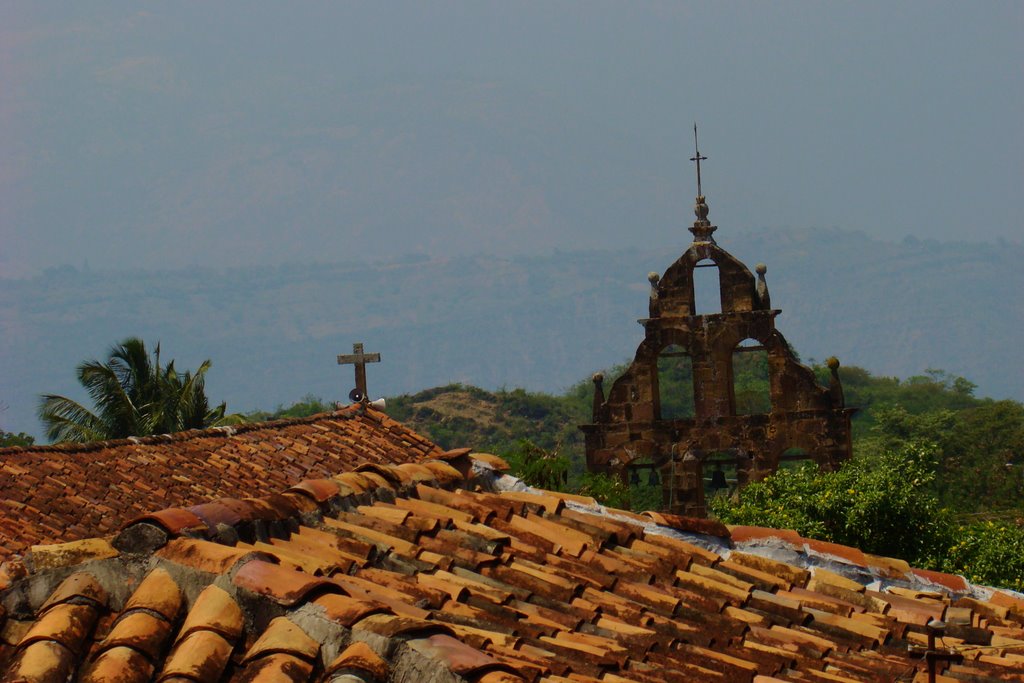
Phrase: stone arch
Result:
[719,473]
[794,457]
[751,377]
[736,284]
[707,288]
[674,395]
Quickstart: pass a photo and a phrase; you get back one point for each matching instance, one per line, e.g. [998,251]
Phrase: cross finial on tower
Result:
[698,158]
[702,229]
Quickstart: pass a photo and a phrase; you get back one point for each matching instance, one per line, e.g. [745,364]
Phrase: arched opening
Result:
[707,288]
[645,485]
[675,384]
[795,458]
[751,379]
[720,475]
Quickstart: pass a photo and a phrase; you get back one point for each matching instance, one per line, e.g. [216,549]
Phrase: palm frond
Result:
[133,396]
[68,420]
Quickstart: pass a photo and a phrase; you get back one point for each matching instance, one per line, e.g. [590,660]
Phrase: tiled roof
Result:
[448,570]
[71,491]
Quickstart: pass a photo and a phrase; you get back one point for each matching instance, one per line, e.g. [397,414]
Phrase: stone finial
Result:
[702,229]
[598,380]
[763,296]
[835,386]
[654,279]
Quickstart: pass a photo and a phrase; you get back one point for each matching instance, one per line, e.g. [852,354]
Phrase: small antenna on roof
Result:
[698,158]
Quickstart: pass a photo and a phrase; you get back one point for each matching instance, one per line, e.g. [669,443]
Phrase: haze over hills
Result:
[218,135]
[540,322]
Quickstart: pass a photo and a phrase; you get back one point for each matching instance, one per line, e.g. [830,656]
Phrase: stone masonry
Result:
[628,433]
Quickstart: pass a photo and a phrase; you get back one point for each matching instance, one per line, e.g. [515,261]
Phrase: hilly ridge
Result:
[539,322]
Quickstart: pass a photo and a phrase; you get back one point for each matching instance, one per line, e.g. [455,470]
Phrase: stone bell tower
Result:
[713,400]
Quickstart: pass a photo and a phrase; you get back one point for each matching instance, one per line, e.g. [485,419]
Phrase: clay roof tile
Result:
[359,658]
[282,585]
[78,585]
[213,611]
[283,636]
[200,656]
[139,630]
[45,661]
[65,623]
[205,556]
[346,610]
[319,490]
[119,665]
[492,461]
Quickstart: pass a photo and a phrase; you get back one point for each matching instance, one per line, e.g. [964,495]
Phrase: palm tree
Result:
[132,396]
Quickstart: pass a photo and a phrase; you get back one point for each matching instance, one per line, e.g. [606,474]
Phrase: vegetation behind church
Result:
[937,478]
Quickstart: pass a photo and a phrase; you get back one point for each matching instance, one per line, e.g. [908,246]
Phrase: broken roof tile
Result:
[490,460]
[957,584]
[743,534]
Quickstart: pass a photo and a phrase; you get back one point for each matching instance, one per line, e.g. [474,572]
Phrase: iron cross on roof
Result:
[359,359]
[698,158]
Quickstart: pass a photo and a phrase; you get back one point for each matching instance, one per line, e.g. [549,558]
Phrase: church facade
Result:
[716,399]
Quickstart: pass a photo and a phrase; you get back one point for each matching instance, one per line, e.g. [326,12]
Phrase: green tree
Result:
[12,439]
[132,396]
[308,405]
[884,505]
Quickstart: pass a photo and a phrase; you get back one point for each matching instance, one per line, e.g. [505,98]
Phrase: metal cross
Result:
[359,359]
[698,158]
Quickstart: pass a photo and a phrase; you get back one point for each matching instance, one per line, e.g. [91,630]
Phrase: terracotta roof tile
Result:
[157,593]
[200,656]
[283,636]
[206,556]
[119,665]
[139,630]
[282,585]
[410,567]
[359,658]
[215,611]
[104,484]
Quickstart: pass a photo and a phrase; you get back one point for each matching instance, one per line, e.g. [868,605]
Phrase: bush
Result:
[538,467]
[989,553]
[883,505]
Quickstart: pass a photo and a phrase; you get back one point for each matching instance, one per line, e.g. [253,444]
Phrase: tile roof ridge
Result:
[226,431]
[226,519]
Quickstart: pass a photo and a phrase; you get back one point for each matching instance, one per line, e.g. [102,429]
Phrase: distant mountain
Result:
[540,322]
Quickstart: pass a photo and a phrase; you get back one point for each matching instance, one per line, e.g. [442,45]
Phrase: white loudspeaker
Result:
[378,404]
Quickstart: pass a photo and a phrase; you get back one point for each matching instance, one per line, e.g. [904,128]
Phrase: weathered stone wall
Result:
[628,428]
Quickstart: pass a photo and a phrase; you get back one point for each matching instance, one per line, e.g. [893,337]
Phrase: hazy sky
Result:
[168,134]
